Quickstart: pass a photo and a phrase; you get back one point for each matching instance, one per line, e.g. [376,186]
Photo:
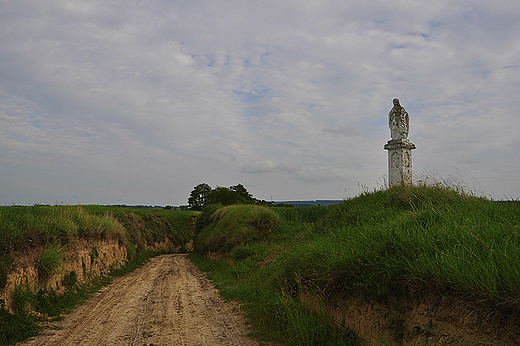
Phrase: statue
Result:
[398,121]
[399,147]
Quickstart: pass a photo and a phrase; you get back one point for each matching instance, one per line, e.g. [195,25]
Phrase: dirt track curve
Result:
[165,302]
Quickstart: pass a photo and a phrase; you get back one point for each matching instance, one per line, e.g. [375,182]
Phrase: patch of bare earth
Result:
[165,302]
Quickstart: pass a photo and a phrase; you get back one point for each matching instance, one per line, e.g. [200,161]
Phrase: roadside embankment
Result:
[405,266]
[53,257]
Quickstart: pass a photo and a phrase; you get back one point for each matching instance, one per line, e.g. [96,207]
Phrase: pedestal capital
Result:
[399,144]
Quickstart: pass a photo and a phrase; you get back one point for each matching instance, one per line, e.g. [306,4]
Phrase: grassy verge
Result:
[373,246]
[425,234]
[273,313]
[24,227]
[150,226]
[247,272]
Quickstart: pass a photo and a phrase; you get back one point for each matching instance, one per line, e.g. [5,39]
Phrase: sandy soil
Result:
[165,302]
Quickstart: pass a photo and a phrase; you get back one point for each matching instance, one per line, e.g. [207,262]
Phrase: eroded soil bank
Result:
[421,318]
[86,258]
[165,302]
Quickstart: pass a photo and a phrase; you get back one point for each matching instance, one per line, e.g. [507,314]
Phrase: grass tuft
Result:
[50,261]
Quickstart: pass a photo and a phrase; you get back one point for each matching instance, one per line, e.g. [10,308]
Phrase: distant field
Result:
[313,203]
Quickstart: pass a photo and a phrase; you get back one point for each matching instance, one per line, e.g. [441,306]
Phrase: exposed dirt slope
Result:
[87,258]
[166,302]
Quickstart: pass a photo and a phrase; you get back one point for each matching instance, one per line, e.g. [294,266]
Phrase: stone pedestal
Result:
[399,162]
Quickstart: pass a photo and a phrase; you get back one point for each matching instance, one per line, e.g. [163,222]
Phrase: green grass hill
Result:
[387,249]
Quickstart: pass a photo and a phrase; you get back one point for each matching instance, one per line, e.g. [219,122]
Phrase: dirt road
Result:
[165,302]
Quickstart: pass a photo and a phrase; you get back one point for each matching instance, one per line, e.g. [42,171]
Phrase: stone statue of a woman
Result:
[398,121]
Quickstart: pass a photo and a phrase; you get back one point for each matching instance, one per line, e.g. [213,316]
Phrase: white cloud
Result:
[343,131]
[270,166]
[103,101]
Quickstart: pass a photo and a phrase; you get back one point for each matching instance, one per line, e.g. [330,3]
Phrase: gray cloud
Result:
[270,166]
[124,101]
[343,131]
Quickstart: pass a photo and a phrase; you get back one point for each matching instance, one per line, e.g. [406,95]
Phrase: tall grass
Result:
[148,226]
[426,234]
[29,226]
[22,227]
[15,327]
[273,314]
[238,232]
[302,214]
[377,245]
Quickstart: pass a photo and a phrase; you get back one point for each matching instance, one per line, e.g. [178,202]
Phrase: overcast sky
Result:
[137,102]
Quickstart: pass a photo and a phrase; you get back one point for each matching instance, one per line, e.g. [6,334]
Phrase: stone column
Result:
[399,162]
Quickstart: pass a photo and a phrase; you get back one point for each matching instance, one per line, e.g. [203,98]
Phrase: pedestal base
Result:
[399,162]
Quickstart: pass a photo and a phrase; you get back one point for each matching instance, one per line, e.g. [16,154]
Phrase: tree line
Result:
[203,195]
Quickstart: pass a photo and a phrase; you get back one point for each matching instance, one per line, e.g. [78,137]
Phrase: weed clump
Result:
[50,261]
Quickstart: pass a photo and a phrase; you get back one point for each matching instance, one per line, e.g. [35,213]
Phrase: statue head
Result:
[396,103]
